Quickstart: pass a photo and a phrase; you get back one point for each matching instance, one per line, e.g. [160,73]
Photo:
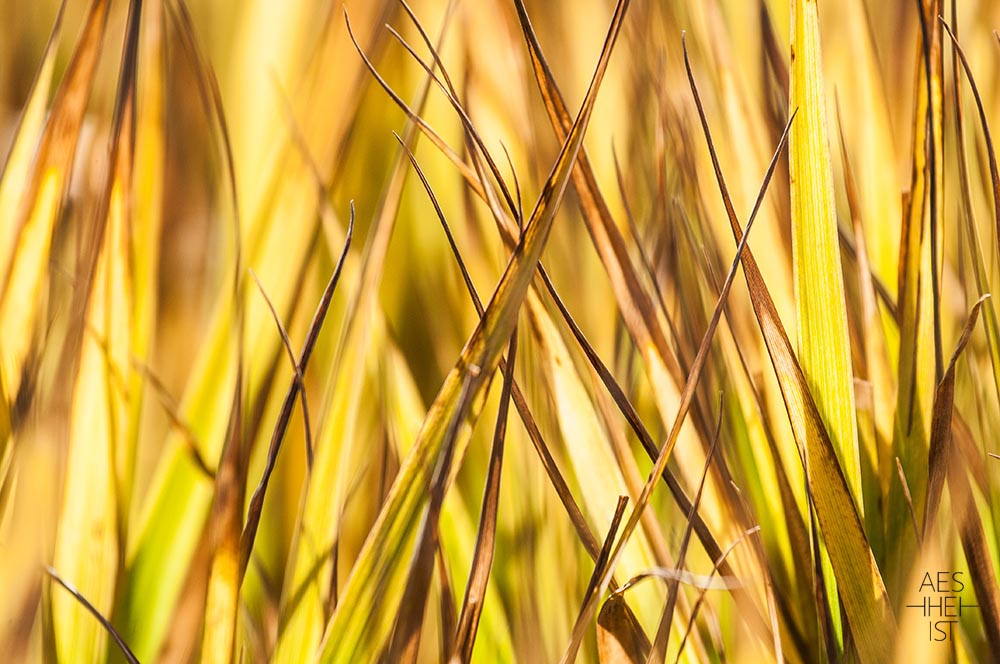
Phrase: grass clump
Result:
[499,331]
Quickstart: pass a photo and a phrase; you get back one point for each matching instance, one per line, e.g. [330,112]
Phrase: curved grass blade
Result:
[297,369]
[620,638]
[377,575]
[940,456]
[105,623]
[687,397]
[305,617]
[294,389]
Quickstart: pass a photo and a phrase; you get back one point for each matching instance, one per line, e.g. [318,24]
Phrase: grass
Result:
[499,331]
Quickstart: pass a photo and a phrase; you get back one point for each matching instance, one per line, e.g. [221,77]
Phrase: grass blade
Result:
[23,269]
[620,639]
[318,524]
[659,651]
[376,576]
[940,456]
[104,622]
[862,590]
[686,398]
[295,388]
[824,349]
[824,342]
[219,645]
[89,535]
[919,367]
[602,568]
[475,590]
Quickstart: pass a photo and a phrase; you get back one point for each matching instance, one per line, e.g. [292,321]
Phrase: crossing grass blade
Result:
[919,366]
[88,539]
[303,603]
[603,578]
[41,192]
[475,590]
[152,457]
[634,301]
[862,591]
[375,579]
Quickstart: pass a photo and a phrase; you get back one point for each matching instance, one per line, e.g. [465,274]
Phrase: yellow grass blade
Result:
[145,393]
[355,630]
[147,225]
[861,90]
[823,339]
[222,603]
[13,182]
[304,601]
[23,269]
[87,539]
[17,169]
[862,591]
[920,360]
[87,546]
